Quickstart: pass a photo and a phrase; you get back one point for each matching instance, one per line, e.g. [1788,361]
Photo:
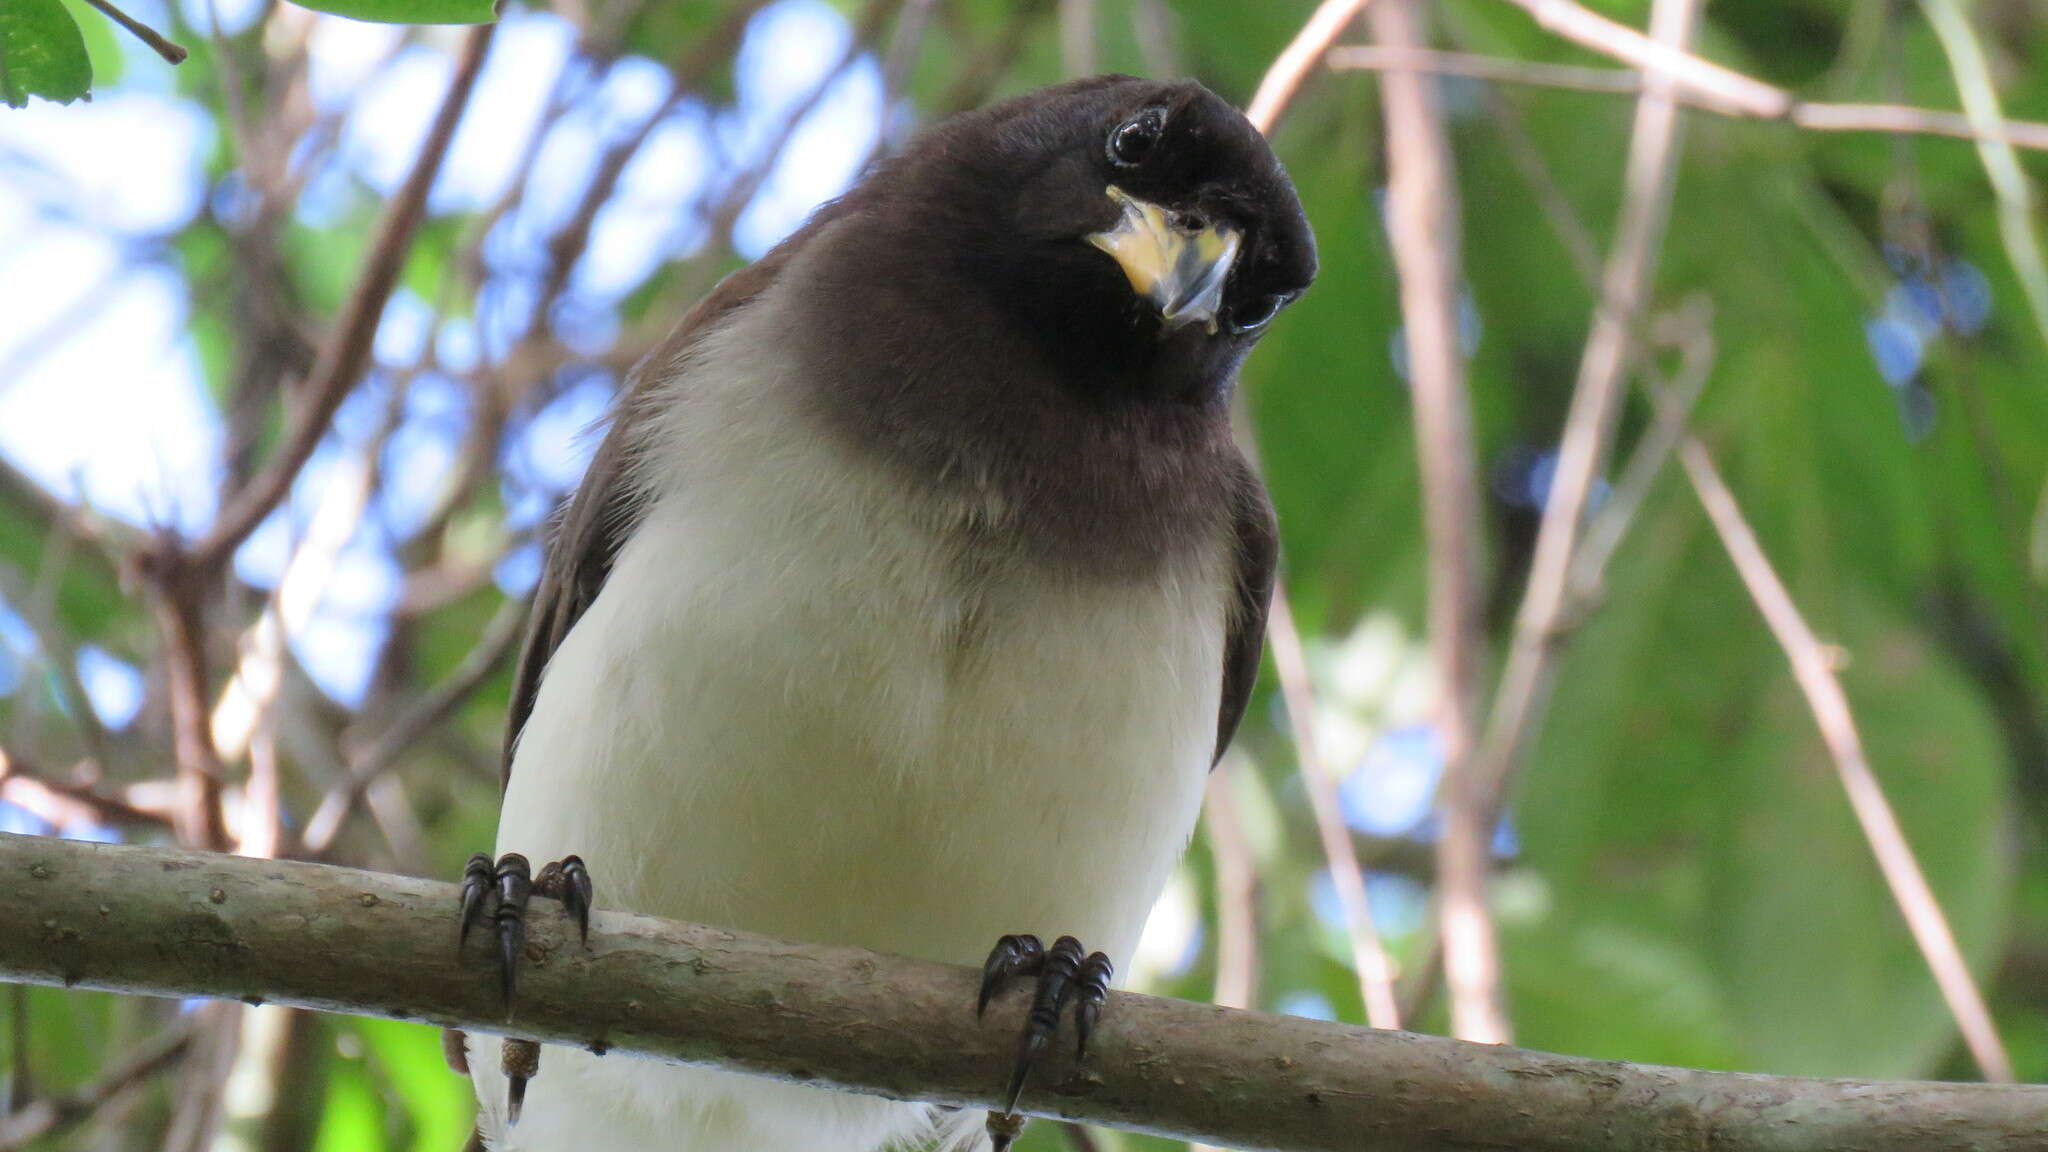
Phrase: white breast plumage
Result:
[789,712]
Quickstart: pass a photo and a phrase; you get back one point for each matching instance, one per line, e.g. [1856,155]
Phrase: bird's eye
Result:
[1253,314]
[1131,141]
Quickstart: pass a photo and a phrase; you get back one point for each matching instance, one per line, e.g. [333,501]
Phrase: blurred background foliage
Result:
[1679,878]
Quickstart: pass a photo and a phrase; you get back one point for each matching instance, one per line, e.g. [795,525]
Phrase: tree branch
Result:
[1283,79]
[1815,674]
[347,352]
[1423,229]
[1812,115]
[1610,350]
[170,922]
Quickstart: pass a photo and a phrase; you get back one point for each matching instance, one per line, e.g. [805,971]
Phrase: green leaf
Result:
[102,43]
[411,11]
[42,54]
[441,1105]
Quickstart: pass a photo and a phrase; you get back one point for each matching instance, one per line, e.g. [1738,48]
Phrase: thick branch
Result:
[179,923]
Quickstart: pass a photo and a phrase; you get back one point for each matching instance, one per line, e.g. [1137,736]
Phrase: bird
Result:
[912,593]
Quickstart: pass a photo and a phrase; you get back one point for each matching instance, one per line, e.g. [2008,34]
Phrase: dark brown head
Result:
[1046,301]
[1139,234]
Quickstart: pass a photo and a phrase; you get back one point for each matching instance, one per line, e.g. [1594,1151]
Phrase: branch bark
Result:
[170,922]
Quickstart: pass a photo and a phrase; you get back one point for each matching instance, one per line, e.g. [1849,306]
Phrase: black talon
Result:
[500,892]
[1067,974]
[568,880]
[1012,956]
[476,885]
[515,888]
[1091,989]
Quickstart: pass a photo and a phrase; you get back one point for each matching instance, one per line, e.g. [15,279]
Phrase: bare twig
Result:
[1570,77]
[260,668]
[67,804]
[1237,910]
[1283,79]
[346,351]
[174,53]
[1589,427]
[1677,68]
[176,602]
[1814,671]
[690,71]
[1157,31]
[51,1115]
[2009,182]
[498,641]
[192,924]
[904,43]
[1422,224]
[1237,884]
[1674,402]
[1368,954]
[1814,115]
[739,191]
[1375,971]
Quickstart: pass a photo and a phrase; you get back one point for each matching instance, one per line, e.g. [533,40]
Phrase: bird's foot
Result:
[1067,974]
[499,892]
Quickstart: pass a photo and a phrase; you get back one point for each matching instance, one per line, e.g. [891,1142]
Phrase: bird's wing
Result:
[607,505]
[1258,552]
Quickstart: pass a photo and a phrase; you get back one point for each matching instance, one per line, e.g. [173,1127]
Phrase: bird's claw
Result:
[1067,974]
[499,892]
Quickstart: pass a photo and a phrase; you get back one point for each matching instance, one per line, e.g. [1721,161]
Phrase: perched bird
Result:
[913,592]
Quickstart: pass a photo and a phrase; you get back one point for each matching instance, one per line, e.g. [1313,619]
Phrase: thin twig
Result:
[1237,909]
[1422,225]
[1814,115]
[733,199]
[51,1115]
[1368,955]
[688,76]
[1995,149]
[1677,67]
[499,639]
[64,804]
[346,352]
[1237,894]
[176,599]
[1814,671]
[1589,426]
[259,671]
[174,53]
[900,59]
[1674,403]
[1535,73]
[1284,77]
[1077,38]
[1375,971]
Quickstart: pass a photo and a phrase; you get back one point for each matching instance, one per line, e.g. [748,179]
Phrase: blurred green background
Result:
[1679,878]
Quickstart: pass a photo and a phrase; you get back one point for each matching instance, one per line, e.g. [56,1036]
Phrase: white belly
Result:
[788,713]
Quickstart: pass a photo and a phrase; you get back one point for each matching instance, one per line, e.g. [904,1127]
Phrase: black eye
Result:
[1131,141]
[1253,314]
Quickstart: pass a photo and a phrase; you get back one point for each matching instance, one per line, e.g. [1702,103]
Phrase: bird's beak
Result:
[1180,269]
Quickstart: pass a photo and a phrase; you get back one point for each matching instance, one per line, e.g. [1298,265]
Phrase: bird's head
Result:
[1142,231]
